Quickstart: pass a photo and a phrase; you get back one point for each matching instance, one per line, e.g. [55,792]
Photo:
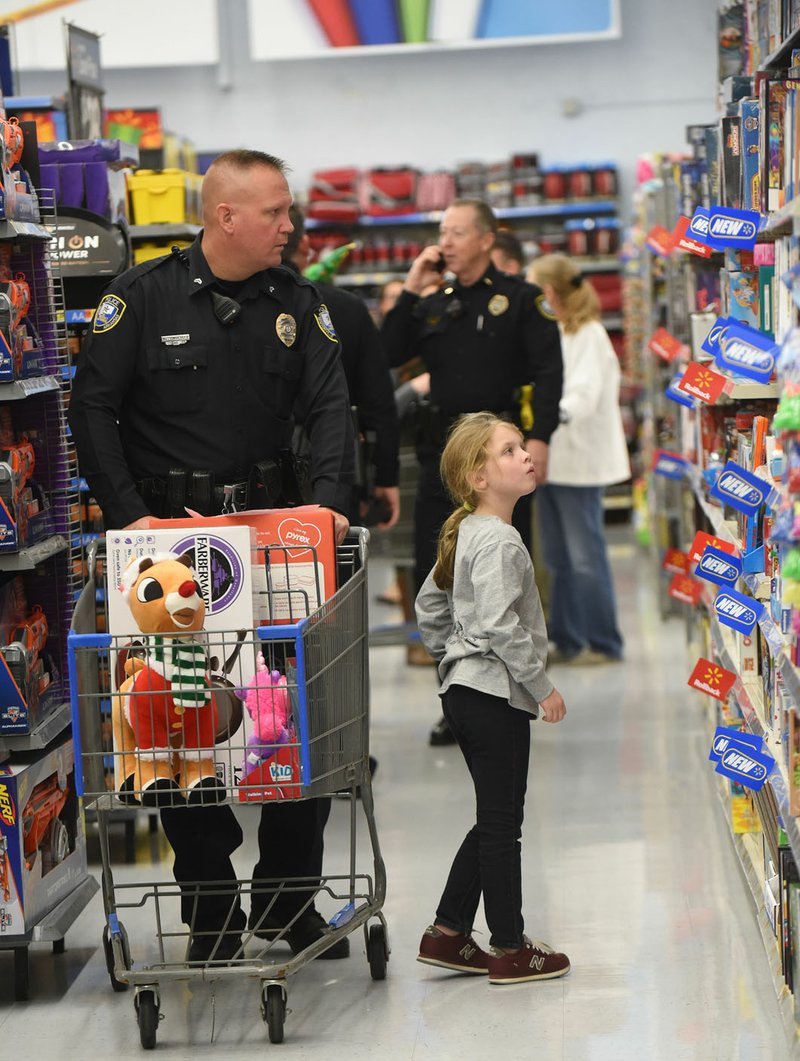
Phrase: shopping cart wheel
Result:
[273,1010]
[118,985]
[147,1014]
[376,952]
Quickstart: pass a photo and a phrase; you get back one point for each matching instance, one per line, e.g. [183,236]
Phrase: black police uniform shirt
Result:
[481,343]
[163,384]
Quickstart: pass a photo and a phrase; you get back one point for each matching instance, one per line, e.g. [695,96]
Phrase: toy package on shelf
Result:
[25,513]
[18,198]
[42,839]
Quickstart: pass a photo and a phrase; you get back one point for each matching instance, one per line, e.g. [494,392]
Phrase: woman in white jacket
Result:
[587,453]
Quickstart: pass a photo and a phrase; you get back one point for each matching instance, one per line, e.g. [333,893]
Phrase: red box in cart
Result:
[300,568]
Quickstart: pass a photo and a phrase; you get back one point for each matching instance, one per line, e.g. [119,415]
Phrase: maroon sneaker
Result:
[535,961]
[460,953]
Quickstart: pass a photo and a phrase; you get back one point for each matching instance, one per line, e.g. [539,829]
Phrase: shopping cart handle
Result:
[280,633]
[89,640]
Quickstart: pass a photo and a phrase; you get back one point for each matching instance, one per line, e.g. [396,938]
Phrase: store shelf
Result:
[603,264]
[165,231]
[506,213]
[747,390]
[783,53]
[755,886]
[613,321]
[27,559]
[56,924]
[24,230]
[24,388]
[367,279]
[47,730]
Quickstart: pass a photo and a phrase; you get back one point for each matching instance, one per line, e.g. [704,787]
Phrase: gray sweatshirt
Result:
[488,632]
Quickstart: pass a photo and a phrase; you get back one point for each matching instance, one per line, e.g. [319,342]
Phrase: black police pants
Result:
[290,841]
[432,507]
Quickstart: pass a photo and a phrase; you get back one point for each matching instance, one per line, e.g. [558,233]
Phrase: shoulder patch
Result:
[325,324]
[108,314]
[545,308]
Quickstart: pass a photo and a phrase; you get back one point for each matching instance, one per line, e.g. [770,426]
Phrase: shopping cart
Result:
[321,656]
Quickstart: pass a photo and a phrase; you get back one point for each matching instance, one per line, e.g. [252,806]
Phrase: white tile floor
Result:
[627,867]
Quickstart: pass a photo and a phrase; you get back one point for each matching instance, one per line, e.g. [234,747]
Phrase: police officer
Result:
[489,341]
[369,382]
[194,370]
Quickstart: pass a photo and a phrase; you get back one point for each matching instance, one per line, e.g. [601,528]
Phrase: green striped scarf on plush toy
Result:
[183,664]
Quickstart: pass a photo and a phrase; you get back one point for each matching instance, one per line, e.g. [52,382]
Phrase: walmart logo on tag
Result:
[745,765]
[719,567]
[747,352]
[740,489]
[722,738]
[698,226]
[737,611]
[670,465]
[718,330]
[728,227]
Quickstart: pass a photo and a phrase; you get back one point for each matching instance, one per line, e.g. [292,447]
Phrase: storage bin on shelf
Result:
[162,197]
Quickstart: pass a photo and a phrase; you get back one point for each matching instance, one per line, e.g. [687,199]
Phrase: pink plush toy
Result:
[267,702]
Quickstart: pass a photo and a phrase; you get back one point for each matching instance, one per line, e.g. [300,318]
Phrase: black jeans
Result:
[495,741]
[290,844]
[432,507]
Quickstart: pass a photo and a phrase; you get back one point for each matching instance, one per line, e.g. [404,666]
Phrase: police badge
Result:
[325,324]
[497,304]
[286,327]
[108,313]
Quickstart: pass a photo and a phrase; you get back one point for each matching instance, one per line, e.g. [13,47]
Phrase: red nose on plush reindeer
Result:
[187,589]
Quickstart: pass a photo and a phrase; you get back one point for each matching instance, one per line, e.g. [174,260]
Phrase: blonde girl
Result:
[480,617]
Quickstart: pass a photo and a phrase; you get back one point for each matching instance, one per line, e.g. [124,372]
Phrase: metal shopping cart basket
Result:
[314,675]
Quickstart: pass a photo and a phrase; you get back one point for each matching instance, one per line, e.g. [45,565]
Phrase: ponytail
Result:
[464,454]
[578,301]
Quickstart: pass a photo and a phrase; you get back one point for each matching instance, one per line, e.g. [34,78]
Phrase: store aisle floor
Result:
[627,867]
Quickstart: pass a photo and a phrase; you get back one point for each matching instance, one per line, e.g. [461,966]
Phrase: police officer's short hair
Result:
[484,215]
[506,242]
[246,158]
[297,218]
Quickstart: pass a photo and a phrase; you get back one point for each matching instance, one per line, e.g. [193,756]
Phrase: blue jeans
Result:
[583,610]
[495,740]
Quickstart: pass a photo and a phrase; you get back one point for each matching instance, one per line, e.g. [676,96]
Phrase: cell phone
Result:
[439,264]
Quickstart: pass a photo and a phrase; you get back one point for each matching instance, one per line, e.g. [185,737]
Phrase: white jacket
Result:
[589,449]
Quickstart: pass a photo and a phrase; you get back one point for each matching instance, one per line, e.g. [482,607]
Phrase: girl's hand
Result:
[553,707]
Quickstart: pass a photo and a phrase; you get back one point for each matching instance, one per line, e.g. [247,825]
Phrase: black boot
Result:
[441,734]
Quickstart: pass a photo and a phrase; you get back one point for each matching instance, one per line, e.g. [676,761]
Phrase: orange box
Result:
[294,566]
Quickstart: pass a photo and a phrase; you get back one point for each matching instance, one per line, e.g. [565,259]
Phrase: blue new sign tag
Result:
[747,352]
[729,227]
[718,330]
[698,226]
[670,465]
[737,611]
[719,567]
[744,765]
[740,489]
[679,396]
[724,735]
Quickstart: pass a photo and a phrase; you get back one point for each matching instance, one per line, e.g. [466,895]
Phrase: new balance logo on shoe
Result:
[466,952]
[537,963]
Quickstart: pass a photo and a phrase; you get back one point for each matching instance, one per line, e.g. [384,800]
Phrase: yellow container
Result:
[145,252]
[159,197]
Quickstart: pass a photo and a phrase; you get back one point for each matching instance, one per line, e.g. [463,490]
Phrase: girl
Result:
[480,616]
[587,453]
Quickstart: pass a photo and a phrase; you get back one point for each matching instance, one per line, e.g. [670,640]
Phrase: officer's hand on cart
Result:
[143,523]
[426,270]
[539,451]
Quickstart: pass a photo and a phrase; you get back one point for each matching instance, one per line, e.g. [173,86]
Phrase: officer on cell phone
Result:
[489,341]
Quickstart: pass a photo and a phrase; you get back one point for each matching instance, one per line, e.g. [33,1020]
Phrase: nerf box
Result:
[42,837]
[294,564]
